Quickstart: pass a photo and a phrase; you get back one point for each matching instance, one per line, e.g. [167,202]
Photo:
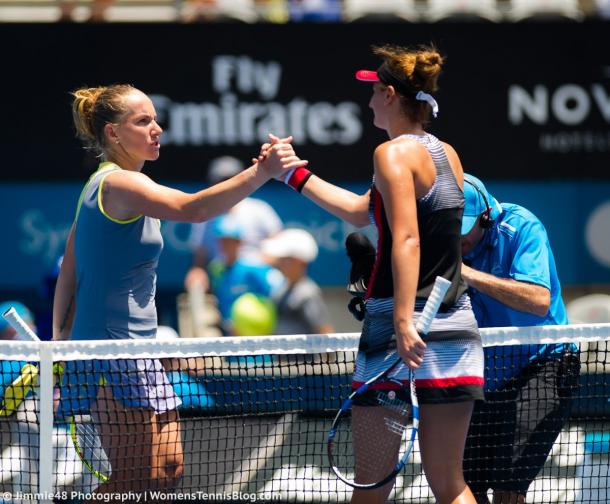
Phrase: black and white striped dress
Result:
[452,369]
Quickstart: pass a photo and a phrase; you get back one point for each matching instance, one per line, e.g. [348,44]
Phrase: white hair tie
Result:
[421,96]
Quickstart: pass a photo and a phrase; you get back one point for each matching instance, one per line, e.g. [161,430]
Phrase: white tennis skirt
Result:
[136,383]
[453,365]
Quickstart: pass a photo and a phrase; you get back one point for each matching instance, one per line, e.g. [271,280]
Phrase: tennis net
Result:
[254,416]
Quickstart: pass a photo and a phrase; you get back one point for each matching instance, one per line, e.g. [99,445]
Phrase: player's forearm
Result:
[521,296]
[64,306]
[341,203]
[220,198]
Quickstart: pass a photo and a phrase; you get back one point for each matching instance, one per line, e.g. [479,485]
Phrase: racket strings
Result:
[395,416]
[377,426]
[394,427]
[88,445]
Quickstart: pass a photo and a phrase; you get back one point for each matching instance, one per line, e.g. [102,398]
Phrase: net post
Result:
[45,448]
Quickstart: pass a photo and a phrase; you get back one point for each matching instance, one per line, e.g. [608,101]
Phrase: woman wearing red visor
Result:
[416,203]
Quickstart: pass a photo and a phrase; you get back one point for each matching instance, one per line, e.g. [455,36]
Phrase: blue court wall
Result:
[37,217]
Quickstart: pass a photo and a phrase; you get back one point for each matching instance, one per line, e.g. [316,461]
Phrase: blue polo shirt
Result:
[230,282]
[516,247]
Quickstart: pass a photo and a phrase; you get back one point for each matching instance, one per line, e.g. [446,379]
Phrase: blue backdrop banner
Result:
[37,218]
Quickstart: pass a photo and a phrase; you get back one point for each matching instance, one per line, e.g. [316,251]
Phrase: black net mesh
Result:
[252,428]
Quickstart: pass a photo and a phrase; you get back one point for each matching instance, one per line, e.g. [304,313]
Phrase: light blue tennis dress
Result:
[116,263]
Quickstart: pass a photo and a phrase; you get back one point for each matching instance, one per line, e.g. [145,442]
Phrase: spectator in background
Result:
[257,220]
[97,10]
[219,11]
[272,11]
[315,10]
[300,305]
[200,10]
[232,275]
[512,278]
[602,9]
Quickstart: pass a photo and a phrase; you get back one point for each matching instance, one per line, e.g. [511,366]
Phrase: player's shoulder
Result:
[119,178]
[403,149]
[403,143]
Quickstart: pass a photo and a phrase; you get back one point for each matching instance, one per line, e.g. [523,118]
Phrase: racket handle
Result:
[441,285]
[23,330]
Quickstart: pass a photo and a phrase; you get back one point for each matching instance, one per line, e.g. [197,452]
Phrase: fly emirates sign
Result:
[247,108]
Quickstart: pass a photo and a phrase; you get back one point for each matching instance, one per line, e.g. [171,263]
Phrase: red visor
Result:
[367,76]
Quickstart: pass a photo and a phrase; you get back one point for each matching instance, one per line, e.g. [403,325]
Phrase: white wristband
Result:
[288,175]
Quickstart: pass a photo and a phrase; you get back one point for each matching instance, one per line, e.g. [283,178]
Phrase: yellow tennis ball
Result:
[253,315]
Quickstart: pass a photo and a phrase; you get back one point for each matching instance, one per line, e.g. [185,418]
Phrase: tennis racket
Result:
[15,393]
[391,407]
[83,433]
[88,446]
[23,330]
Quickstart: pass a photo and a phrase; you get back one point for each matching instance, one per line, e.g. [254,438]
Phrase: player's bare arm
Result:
[64,303]
[394,178]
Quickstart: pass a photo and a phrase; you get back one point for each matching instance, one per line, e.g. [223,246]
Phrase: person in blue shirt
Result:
[510,270]
[257,219]
[232,275]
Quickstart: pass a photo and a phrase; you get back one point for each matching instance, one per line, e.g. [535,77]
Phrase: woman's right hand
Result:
[265,147]
[278,157]
[411,346]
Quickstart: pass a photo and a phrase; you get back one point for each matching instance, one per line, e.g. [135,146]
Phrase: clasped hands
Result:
[277,157]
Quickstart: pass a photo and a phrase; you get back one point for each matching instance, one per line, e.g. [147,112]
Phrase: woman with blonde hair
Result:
[416,202]
[106,286]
